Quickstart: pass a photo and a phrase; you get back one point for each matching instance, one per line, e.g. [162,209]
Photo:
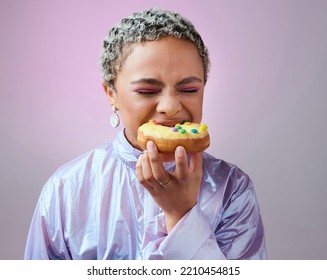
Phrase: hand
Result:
[176,192]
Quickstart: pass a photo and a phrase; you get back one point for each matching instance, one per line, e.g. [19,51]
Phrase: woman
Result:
[117,202]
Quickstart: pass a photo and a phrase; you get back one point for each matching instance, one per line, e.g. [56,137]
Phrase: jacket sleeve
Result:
[191,238]
[237,235]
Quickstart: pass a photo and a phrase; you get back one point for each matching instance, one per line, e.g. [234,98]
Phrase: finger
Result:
[139,174]
[146,169]
[196,164]
[148,173]
[158,170]
[182,171]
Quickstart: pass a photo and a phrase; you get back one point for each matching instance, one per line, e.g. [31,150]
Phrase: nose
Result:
[169,104]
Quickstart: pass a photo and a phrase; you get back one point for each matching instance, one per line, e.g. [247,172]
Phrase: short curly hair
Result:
[147,25]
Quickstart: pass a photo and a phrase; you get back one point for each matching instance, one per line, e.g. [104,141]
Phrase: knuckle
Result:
[148,178]
[154,159]
[184,181]
[142,180]
[160,176]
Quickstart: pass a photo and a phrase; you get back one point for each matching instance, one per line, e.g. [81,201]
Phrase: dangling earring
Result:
[114,120]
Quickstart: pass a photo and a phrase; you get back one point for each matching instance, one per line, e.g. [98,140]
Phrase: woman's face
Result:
[159,80]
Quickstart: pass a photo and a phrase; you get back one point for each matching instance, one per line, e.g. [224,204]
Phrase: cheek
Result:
[126,104]
[194,107]
[197,117]
[134,111]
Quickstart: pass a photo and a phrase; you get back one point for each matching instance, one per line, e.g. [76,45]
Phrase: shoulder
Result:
[78,172]
[85,162]
[222,169]
[223,174]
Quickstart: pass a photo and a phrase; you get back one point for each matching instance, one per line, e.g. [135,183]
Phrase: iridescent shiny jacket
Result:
[95,208]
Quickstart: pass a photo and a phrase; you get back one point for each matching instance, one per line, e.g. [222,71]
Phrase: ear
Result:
[111,95]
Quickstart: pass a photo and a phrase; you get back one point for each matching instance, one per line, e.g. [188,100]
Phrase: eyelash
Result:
[147,92]
[153,92]
[189,90]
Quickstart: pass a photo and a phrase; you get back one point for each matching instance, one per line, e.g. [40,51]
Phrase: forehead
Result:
[170,55]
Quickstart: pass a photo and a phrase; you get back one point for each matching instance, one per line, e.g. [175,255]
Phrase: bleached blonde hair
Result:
[147,25]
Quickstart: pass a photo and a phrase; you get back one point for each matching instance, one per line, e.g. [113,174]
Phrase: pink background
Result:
[265,104]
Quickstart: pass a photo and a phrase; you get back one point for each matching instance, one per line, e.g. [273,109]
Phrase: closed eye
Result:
[147,92]
[189,90]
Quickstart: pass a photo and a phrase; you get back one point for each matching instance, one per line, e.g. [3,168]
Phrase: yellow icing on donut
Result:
[161,131]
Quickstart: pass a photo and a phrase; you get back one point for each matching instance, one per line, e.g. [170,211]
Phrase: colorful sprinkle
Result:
[187,123]
[203,127]
[183,121]
[193,130]
[178,126]
[183,131]
[175,129]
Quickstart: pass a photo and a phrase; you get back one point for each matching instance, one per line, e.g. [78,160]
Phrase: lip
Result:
[170,123]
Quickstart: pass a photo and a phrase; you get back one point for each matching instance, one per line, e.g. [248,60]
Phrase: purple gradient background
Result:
[265,104]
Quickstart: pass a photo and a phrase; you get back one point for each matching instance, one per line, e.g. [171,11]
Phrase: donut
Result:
[194,137]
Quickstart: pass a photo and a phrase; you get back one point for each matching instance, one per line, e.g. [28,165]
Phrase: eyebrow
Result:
[189,80]
[150,81]
[156,82]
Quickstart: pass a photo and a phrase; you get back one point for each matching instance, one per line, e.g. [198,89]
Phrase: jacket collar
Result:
[129,155]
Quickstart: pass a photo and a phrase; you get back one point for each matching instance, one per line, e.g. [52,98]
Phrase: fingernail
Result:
[180,151]
[150,146]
